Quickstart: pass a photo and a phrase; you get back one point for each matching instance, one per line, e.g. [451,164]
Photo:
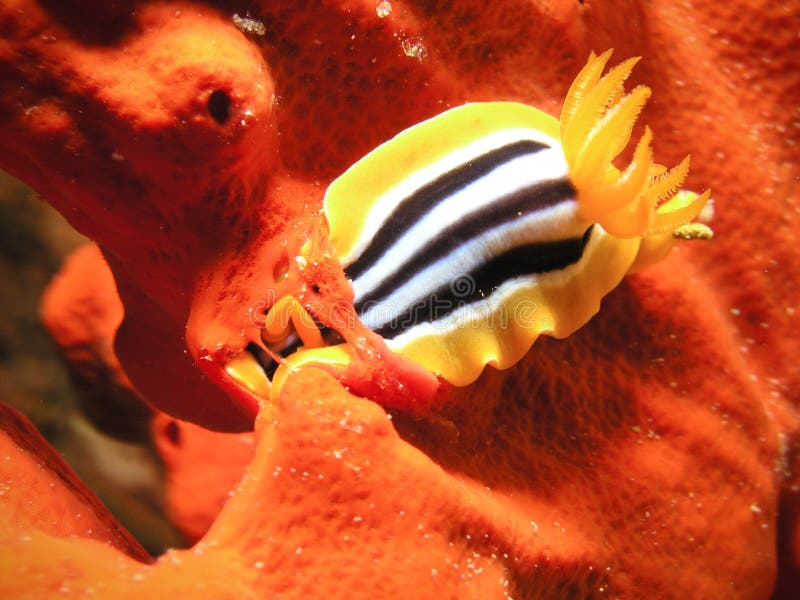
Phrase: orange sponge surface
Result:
[650,454]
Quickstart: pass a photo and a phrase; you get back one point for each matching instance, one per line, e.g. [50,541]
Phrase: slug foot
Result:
[291,340]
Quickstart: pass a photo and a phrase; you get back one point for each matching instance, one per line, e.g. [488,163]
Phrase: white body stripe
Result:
[523,171]
[467,315]
[556,222]
[386,204]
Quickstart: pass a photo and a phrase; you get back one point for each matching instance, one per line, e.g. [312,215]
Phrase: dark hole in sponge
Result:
[173,433]
[219,106]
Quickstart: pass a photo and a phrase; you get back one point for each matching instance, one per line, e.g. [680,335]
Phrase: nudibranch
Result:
[469,235]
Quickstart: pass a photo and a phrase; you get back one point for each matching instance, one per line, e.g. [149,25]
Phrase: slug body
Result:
[467,236]
[463,239]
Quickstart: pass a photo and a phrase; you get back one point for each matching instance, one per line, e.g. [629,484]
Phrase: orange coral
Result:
[645,455]
[202,467]
[40,493]
[81,310]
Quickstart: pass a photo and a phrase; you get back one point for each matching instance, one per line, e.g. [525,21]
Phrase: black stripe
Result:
[502,210]
[521,260]
[517,262]
[411,208]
